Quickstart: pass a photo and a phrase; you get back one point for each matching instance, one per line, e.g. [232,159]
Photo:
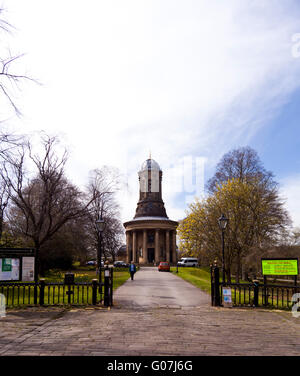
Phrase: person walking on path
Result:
[132,269]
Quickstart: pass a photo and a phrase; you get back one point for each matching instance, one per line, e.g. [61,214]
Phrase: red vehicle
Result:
[164,266]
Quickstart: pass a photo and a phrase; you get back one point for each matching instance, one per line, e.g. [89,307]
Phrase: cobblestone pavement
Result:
[142,330]
[161,331]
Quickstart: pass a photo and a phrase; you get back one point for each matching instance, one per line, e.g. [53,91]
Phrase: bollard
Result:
[42,292]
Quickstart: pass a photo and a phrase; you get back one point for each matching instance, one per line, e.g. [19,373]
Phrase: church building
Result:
[150,235]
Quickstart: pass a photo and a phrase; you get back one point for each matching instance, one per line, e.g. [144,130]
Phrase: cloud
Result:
[180,78]
[290,192]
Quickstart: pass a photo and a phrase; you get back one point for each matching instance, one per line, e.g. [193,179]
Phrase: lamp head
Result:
[100,224]
[223,222]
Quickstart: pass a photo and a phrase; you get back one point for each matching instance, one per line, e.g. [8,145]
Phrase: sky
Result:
[187,80]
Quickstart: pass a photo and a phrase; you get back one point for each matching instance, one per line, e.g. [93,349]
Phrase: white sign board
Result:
[227,301]
[27,268]
[9,269]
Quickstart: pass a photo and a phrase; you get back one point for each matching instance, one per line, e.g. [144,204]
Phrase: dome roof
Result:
[150,164]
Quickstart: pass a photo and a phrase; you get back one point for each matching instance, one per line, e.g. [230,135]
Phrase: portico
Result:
[151,240]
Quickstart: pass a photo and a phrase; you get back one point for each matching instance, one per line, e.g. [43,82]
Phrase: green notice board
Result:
[6,265]
[279,266]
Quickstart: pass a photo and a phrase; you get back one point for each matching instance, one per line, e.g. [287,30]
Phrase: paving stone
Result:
[201,330]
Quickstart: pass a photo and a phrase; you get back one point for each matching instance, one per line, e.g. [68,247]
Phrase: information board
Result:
[227,301]
[279,266]
[9,269]
[27,269]
[17,264]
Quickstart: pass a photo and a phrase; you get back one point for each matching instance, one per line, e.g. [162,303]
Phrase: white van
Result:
[188,261]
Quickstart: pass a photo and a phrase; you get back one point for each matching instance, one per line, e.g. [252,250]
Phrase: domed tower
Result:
[151,235]
[150,202]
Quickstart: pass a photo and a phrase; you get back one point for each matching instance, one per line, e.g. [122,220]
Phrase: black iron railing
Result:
[253,294]
[42,293]
[260,295]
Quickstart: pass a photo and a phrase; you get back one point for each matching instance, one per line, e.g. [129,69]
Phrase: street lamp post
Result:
[100,224]
[222,224]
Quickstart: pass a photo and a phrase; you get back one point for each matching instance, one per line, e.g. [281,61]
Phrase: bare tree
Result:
[9,145]
[42,204]
[10,80]
[113,237]
[243,164]
[102,187]
[4,199]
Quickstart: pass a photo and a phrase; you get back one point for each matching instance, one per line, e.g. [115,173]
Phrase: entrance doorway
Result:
[150,255]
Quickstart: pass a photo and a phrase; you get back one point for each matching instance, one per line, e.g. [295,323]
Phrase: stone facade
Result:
[151,235]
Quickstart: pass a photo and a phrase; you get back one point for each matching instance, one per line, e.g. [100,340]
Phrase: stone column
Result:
[174,255]
[134,246]
[128,241]
[156,255]
[145,250]
[168,245]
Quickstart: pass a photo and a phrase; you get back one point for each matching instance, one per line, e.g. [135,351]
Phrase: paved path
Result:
[139,329]
[151,288]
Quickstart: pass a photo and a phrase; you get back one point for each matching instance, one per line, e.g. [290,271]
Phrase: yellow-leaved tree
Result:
[256,217]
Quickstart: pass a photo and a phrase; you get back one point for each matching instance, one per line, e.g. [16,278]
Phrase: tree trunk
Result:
[228,275]
[39,270]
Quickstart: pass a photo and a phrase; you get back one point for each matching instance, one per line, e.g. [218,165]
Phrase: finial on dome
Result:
[149,154]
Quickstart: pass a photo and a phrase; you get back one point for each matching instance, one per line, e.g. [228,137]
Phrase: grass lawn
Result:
[199,277]
[57,294]
[87,274]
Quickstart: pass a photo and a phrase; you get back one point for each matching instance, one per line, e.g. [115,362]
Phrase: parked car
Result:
[120,264]
[92,262]
[188,261]
[164,266]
